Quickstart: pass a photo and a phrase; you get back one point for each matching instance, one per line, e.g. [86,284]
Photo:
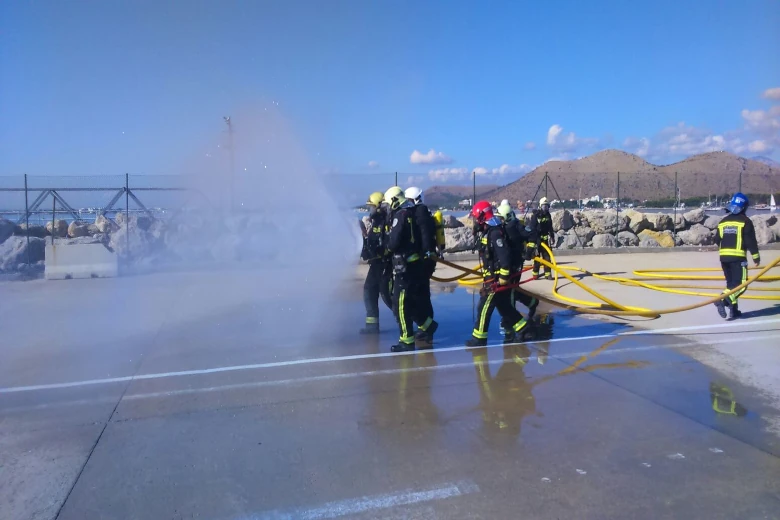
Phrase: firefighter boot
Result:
[734,312]
[370,328]
[476,342]
[402,347]
[424,338]
[532,307]
[721,306]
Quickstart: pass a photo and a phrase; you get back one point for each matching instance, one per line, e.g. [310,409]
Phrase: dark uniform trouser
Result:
[735,272]
[376,283]
[543,254]
[408,292]
[425,308]
[502,301]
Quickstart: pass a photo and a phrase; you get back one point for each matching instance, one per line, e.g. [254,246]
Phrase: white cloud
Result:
[758,146]
[530,145]
[432,157]
[448,174]
[772,93]
[480,170]
[640,147]
[508,169]
[764,123]
[560,143]
[414,180]
[373,164]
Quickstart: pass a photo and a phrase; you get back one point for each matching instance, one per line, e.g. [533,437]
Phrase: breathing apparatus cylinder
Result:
[439,218]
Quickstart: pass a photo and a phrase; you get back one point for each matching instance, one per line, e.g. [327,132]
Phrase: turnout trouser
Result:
[542,252]
[376,283]
[425,308]
[735,272]
[408,293]
[502,301]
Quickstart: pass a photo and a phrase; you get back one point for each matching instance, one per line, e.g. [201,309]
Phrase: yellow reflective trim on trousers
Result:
[503,272]
[427,324]
[405,336]
[520,325]
[372,320]
[413,258]
[732,252]
[481,332]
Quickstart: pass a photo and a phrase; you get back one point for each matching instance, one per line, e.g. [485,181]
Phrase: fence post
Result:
[127,213]
[27,219]
[53,216]
[545,184]
[674,223]
[617,207]
[473,188]
[396,179]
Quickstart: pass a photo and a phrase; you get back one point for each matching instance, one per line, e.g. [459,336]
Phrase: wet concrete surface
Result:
[209,415]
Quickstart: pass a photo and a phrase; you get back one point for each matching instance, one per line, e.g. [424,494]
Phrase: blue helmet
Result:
[737,204]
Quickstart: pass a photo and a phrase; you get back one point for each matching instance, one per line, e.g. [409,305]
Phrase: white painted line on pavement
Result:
[370,373]
[369,503]
[276,364]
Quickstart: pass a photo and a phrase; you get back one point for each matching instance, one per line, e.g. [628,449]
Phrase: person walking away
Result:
[736,237]
[374,254]
[518,237]
[541,229]
[405,246]
[496,260]
[423,218]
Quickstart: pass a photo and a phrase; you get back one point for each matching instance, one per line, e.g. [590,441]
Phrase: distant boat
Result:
[772,203]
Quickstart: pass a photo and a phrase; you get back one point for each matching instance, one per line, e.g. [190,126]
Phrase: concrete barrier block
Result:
[65,261]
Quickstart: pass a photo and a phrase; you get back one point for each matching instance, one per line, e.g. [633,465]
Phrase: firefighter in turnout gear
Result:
[405,245]
[423,218]
[541,228]
[496,259]
[374,252]
[518,237]
[736,237]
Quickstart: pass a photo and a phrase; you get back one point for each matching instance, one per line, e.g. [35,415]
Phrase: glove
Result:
[530,252]
[756,261]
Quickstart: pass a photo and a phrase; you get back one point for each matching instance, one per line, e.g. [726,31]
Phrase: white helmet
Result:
[543,201]
[414,193]
[504,202]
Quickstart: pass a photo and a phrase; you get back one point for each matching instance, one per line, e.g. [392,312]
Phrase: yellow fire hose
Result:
[611,308]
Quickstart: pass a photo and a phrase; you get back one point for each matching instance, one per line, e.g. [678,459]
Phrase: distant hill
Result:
[451,195]
[767,161]
[715,173]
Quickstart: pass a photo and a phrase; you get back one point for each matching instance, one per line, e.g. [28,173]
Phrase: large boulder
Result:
[562,220]
[59,227]
[662,239]
[34,230]
[696,216]
[627,238]
[637,221]
[7,229]
[78,229]
[776,230]
[94,230]
[585,234]
[712,221]
[661,221]
[450,222]
[607,222]
[130,241]
[458,239]
[697,235]
[649,242]
[769,218]
[764,233]
[103,224]
[679,222]
[569,240]
[603,240]
[13,252]
[467,221]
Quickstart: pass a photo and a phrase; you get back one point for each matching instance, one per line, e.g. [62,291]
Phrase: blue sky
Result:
[100,87]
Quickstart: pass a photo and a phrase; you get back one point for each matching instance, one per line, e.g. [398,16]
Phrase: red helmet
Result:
[482,211]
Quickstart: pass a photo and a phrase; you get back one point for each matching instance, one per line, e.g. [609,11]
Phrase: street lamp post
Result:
[232,165]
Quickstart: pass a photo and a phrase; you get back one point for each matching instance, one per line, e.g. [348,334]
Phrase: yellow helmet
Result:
[394,197]
[375,199]
[505,210]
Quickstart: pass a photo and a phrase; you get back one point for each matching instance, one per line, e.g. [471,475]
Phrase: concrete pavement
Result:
[193,395]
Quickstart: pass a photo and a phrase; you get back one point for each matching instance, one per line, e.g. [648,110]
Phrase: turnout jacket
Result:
[494,252]
[405,238]
[541,227]
[424,219]
[374,242]
[735,237]
[518,236]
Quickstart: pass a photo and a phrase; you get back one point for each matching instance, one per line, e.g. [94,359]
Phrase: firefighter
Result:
[496,259]
[423,218]
[405,245]
[541,229]
[517,236]
[735,237]
[374,253]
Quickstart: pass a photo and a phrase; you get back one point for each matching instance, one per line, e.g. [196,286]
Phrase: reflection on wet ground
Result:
[580,421]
